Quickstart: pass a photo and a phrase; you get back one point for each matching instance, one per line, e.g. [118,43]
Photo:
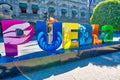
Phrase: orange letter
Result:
[95,30]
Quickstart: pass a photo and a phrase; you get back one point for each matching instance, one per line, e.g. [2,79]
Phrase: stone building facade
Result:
[63,10]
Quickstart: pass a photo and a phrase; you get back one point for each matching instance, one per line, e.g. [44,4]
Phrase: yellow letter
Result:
[70,35]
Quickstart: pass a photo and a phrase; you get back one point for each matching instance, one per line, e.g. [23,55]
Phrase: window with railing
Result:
[35,9]
[74,13]
[51,11]
[83,14]
[63,12]
[23,7]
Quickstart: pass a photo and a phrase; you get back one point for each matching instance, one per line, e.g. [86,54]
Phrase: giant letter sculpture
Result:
[85,34]
[95,39]
[11,39]
[107,33]
[43,39]
[70,35]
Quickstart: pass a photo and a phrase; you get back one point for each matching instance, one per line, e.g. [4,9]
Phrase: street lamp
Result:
[45,15]
[44,12]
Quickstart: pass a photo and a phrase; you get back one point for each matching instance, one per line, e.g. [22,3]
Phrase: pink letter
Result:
[12,39]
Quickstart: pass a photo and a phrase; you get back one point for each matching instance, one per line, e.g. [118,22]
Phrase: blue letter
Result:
[42,36]
[85,34]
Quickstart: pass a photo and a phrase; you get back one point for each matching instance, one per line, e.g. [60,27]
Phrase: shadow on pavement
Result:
[112,59]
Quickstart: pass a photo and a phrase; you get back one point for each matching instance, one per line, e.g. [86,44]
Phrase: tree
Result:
[107,13]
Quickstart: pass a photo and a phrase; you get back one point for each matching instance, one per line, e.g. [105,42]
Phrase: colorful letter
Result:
[95,39]
[85,34]
[43,39]
[107,33]
[11,39]
[70,35]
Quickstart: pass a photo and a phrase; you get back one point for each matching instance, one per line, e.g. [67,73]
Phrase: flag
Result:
[91,1]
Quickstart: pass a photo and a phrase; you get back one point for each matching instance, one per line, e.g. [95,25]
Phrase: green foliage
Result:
[107,13]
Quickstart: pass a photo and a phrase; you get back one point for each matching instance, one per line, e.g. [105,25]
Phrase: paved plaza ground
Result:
[105,67]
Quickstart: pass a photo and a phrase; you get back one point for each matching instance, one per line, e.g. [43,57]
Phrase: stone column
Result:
[29,8]
[17,9]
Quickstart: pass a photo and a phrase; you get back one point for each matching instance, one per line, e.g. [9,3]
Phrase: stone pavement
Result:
[105,67]
[90,72]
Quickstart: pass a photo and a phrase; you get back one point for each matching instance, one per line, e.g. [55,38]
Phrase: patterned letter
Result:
[85,34]
[70,35]
[95,39]
[107,33]
[11,39]
[43,39]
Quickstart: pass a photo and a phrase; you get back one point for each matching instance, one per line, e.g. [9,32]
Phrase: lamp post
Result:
[45,13]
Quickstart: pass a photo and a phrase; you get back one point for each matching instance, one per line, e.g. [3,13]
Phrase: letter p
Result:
[11,37]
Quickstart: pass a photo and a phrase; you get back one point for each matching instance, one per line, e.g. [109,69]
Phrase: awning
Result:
[63,10]
[82,13]
[35,7]
[23,5]
[51,9]
[74,12]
